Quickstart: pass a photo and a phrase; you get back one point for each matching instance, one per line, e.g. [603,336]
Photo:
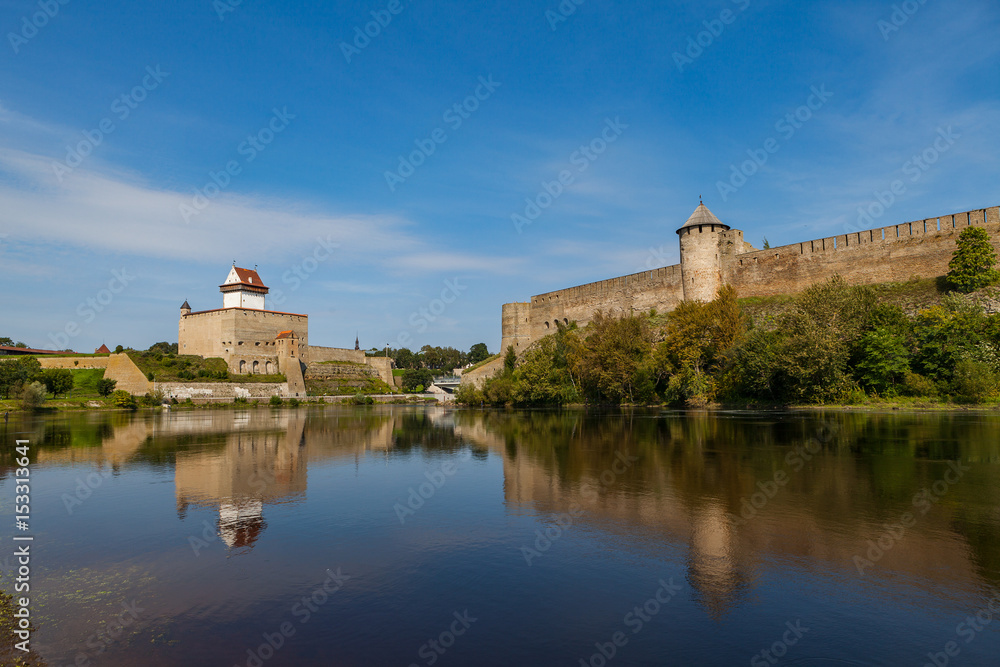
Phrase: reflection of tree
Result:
[697,469]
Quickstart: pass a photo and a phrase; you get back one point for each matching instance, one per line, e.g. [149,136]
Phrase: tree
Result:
[416,377]
[163,347]
[119,349]
[884,361]
[57,380]
[478,352]
[33,396]
[105,386]
[122,399]
[15,373]
[4,340]
[509,360]
[973,266]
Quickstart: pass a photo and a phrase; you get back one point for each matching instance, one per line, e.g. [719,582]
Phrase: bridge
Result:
[448,383]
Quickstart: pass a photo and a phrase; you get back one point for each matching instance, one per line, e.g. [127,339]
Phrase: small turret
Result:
[701,268]
[185,308]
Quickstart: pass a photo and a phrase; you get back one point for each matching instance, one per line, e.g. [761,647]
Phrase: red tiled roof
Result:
[285,334]
[29,350]
[103,349]
[247,277]
[256,310]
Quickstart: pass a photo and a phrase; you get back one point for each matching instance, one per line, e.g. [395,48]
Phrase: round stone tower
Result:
[701,267]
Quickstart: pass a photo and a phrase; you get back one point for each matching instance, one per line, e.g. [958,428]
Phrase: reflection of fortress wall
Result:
[723,557]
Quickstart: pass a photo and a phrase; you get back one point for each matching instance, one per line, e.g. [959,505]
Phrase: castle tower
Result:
[185,308]
[701,267]
[243,289]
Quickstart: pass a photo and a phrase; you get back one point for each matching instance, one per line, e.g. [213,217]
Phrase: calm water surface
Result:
[431,536]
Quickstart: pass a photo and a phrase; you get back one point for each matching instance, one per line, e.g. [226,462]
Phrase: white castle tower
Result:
[243,289]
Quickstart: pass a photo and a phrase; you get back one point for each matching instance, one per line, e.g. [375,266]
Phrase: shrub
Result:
[275,401]
[122,399]
[293,402]
[33,396]
[241,400]
[151,399]
[362,399]
[974,382]
[915,384]
[105,386]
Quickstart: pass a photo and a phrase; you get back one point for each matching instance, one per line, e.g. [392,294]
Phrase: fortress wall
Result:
[317,354]
[515,326]
[895,253]
[382,366]
[660,288]
[235,333]
[220,390]
[79,363]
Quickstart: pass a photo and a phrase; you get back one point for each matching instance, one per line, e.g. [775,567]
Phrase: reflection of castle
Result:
[688,500]
[253,468]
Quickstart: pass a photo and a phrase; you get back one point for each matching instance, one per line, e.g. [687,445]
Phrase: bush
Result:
[241,400]
[974,382]
[293,402]
[33,396]
[151,399]
[122,399]
[105,386]
[362,399]
[275,401]
[915,384]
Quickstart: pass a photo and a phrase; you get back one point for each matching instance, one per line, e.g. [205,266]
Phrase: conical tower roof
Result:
[185,305]
[702,216]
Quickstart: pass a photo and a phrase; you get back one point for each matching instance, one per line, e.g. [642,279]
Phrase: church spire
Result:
[357,342]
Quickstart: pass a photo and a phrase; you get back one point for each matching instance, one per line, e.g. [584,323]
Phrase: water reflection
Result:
[741,501]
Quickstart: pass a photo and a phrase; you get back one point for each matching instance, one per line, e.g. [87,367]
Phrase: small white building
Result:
[243,289]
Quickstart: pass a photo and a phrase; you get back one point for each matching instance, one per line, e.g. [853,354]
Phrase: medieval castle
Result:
[254,340]
[713,254]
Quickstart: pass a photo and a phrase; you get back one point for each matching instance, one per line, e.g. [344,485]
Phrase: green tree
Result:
[478,352]
[973,266]
[417,377]
[509,360]
[57,380]
[15,373]
[105,386]
[613,361]
[32,396]
[122,399]
[884,361]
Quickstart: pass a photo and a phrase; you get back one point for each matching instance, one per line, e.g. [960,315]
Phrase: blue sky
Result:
[115,117]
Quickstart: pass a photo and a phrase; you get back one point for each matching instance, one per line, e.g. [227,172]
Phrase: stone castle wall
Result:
[239,334]
[221,390]
[895,253]
[73,363]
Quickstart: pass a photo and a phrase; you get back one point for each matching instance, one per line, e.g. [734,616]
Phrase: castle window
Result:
[267,368]
[243,366]
[256,366]
[257,344]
